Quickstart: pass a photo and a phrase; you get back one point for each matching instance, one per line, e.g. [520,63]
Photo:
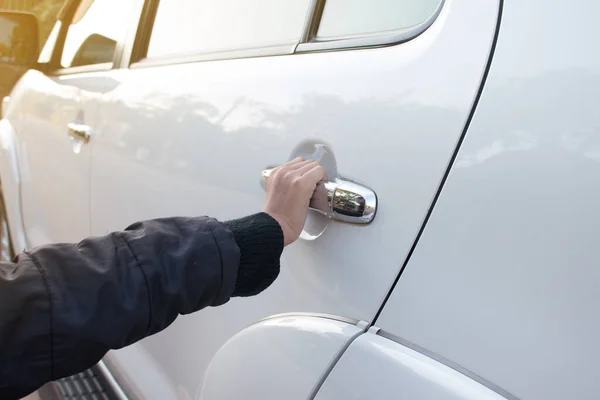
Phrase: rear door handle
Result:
[340,199]
[79,131]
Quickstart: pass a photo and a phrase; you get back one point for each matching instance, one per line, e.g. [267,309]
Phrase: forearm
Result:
[105,293]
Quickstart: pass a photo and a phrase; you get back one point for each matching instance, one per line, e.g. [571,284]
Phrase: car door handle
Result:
[79,131]
[340,199]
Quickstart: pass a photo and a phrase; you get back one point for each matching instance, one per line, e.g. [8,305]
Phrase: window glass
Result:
[96,28]
[359,17]
[200,26]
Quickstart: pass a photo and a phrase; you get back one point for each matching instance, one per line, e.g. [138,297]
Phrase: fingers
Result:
[303,168]
[289,164]
[315,175]
[296,168]
[294,162]
[299,167]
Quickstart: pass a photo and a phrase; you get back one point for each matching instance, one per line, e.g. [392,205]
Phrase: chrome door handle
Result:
[79,131]
[340,199]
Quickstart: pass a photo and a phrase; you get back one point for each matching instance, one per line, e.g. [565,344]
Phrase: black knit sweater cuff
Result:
[260,240]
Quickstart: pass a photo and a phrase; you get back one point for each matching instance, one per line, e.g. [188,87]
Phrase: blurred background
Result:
[45,11]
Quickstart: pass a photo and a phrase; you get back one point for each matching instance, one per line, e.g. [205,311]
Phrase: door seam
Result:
[450,163]
[335,360]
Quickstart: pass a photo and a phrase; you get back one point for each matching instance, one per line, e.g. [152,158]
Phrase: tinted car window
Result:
[360,17]
[201,26]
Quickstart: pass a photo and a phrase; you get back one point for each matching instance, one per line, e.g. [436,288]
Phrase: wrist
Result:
[261,240]
[283,225]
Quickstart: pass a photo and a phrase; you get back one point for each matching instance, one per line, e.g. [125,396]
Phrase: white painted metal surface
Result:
[504,281]
[374,367]
[193,138]
[11,180]
[54,169]
[281,358]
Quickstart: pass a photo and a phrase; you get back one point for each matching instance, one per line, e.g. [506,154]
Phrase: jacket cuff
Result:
[260,240]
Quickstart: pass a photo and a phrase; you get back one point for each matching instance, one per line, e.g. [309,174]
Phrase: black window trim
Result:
[144,32]
[308,43]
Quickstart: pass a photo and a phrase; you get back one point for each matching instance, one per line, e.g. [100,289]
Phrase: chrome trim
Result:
[446,362]
[79,131]
[114,386]
[313,16]
[340,199]
[307,43]
[278,50]
[370,40]
[346,320]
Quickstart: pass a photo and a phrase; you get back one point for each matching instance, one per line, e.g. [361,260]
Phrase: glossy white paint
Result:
[55,182]
[504,281]
[10,180]
[10,175]
[374,367]
[135,364]
[193,138]
[281,358]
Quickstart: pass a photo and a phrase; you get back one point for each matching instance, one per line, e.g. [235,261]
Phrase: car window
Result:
[202,26]
[359,17]
[96,28]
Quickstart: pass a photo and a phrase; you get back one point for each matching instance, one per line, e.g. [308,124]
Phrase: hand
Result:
[289,190]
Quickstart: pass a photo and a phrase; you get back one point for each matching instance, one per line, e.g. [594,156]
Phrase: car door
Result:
[59,107]
[215,92]
[504,280]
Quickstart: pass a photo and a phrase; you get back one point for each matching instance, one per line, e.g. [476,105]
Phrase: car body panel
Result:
[504,280]
[54,169]
[279,358]
[10,178]
[192,139]
[374,367]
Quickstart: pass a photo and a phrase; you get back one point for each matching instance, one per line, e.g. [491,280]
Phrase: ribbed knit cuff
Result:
[260,240]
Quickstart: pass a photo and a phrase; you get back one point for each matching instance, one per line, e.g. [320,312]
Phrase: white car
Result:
[459,256]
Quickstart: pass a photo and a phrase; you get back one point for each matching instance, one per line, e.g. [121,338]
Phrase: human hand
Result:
[289,190]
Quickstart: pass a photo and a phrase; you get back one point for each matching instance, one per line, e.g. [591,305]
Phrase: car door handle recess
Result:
[79,131]
[340,199]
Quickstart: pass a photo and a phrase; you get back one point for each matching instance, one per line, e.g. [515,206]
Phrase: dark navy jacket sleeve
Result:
[63,306]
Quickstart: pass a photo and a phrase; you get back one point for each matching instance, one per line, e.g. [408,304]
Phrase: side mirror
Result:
[18,39]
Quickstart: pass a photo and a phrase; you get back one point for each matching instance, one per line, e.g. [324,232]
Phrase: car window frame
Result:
[361,40]
[54,66]
[307,43]
[142,41]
